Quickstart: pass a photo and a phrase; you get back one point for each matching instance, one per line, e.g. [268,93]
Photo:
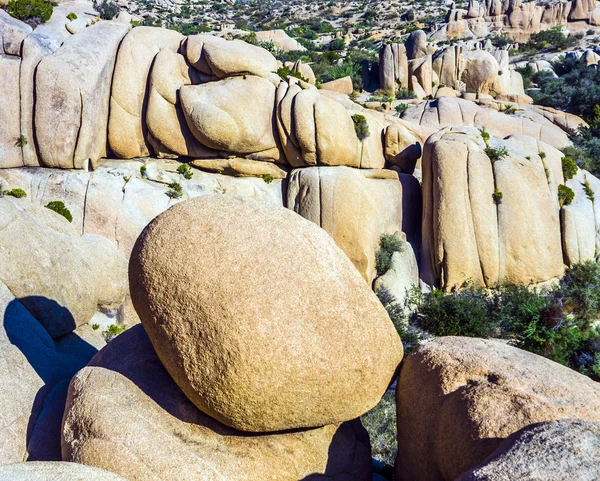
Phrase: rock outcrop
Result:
[459,398]
[553,451]
[126,398]
[305,381]
[40,471]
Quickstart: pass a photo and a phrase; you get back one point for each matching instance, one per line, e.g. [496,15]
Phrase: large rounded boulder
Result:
[459,398]
[259,317]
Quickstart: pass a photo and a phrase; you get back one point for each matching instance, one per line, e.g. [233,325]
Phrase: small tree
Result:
[32,12]
[565,195]
[106,9]
[361,127]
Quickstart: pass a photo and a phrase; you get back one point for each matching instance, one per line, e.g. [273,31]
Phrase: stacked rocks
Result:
[273,340]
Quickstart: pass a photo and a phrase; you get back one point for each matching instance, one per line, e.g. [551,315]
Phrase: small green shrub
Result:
[497,197]
[361,127]
[398,315]
[144,171]
[58,206]
[388,244]
[569,167]
[21,141]
[95,326]
[496,154]
[186,171]
[565,195]
[268,178]
[485,135]
[285,72]
[405,94]
[588,190]
[401,108]
[175,190]
[510,109]
[113,331]
[542,155]
[72,16]
[32,12]
[107,10]
[18,193]
[380,423]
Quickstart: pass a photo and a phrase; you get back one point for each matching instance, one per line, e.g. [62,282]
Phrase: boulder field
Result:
[232,219]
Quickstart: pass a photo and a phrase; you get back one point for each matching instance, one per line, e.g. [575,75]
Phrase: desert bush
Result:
[565,195]
[113,331]
[268,178]
[405,94]
[569,167]
[32,12]
[497,197]
[58,206]
[388,244]
[380,423]
[361,127]
[485,135]
[175,190]
[186,171]
[285,72]
[401,108]
[107,10]
[21,141]
[18,193]
[72,16]
[588,190]
[496,154]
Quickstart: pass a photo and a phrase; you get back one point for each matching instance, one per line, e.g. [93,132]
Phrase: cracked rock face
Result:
[126,398]
[459,398]
[45,471]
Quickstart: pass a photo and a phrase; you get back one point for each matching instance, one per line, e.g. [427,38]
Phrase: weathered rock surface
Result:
[355,207]
[280,40]
[73,84]
[126,398]
[57,471]
[466,234]
[127,123]
[552,451]
[305,381]
[10,108]
[459,398]
[12,34]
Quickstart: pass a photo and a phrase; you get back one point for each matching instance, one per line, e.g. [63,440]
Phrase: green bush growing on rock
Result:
[588,190]
[21,141]
[58,206]
[106,9]
[388,244]
[361,127]
[398,315]
[144,171]
[485,135]
[268,178]
[401,108]
[496,154]
[405,94]
[113,331]
[175,190]
[32,12]
[380,423]
[72,16]
[186,171]
[569,167]
[18,193]
[285,72]
[497,197]
[510,109]
[95,326]
[565,195]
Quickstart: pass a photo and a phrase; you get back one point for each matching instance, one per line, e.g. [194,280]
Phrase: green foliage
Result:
[558,322]
[18,193]
[186,171]
[588,190]
[113,331]
[565,195]
[21,141]
[380,423]
[497,197]
[569,167]
[285,72]
[401,108]
[175,190]
[72,16]
[361,127]
[95,326]
[405,94]
[510,109]
[32,12]
[398,315]
[552,39]
[388,244]
[268,178]
[337,44]
[107,10]
[143,171]
[485,135]
[58,206]
[496,154]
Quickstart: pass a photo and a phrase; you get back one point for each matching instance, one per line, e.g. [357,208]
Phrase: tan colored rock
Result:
[446,92]
[241,167]
[54,471]
[77,25]
[169,133]
[342,85]
[12,34]
[459,398]
[226,115]
[581,10]
[466,236]
[227,58]
[10,112]
[304,382]
[480,71]
[304,69]
[355,207]
[420,70]
[127,126]
[393,67]
[280,40]
[402,148]
[553,451]
[127,398]
[595,17]
[416,45]
[371,148]
[73,84]
[402,276]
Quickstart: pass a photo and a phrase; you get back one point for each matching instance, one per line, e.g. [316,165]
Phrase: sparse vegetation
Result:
[485,135]
[496,154]
[388,244]
[17,192]
[113,331]
[32,12]
[380,423]
[405,94]
[588,190]
[107,10]
[497,197]
[95,326]
[565,195]
[175,190]
[401,108]
[58,206]
[144,171]
[285,72]
[361,127]
[268,178]
[72,16]
[510,109]
[21,141]
[569,167]
[186,171]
